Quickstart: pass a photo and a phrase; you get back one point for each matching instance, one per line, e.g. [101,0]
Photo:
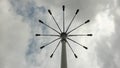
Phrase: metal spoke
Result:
[72,19]
[79,26]
[63,18]
[71,49]
[55,49]
[81,35]
[49,26]
[46,35]
[77,43]
[49,43]
[64,35]
[54,19]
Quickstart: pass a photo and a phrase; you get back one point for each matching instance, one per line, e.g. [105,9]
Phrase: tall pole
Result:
[63,41]
[63,55]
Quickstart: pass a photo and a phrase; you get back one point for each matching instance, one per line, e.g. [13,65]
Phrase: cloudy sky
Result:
[19,48]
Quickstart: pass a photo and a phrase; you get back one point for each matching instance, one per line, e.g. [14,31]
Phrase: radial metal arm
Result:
[80,35]
[71,49]
[49,26]
[72,19]
[77,43]
[79,26]
[49,11]
[63,18]
[49,43]
[46,35]
[55,49]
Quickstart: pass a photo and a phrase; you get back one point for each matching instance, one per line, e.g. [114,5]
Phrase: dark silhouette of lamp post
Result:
[63,36]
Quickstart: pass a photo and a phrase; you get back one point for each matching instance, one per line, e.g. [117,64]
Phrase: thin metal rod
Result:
[71,49]
[55,49]
[54,19]
[81,35]
[49,43]
[46,35]
[49,26]
[72,20]
[77,43]
[78,26]
[63,18]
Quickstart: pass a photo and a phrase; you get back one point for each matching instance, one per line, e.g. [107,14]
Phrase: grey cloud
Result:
[109,54]
[105,55]
[118,1]
[13,39]
[88,9]
[28,9]
[31,13]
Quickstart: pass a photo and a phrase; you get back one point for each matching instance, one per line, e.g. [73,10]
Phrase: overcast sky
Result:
[19,48]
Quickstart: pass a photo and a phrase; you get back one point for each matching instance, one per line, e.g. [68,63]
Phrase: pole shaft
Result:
[63,55]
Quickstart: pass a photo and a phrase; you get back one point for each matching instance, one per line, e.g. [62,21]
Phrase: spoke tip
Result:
[51,56]
[42,47]
[41,21]
[89,35]
[87,21]
[63,7]
[77,11]
[85,47]
[49,12]
[75,56]
[37,34]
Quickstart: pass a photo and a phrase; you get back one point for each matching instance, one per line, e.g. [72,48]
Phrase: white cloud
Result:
[103,26]
[118,11]
[14,38]
[104,30]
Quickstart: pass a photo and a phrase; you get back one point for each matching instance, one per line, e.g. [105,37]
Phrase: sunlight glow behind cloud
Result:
[105,23]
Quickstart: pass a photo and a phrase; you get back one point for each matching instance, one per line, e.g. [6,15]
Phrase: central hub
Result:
[63,36]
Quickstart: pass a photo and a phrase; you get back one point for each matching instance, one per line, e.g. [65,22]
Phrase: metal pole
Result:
[63,55]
